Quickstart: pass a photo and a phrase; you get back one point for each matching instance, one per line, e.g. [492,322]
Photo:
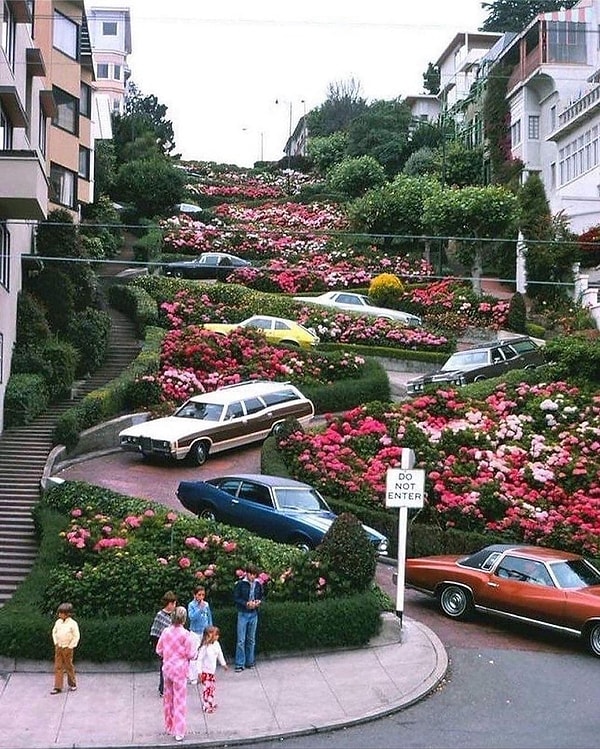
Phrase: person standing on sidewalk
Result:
[65,635]
[209,655]
[176,648]
[247,595]
[161,621]
[199,617]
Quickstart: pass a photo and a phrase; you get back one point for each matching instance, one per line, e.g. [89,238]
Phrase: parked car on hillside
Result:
[228,417]
[483,362]
[534,585]
[207,266]
[281,509]
[277,330]
[351,302]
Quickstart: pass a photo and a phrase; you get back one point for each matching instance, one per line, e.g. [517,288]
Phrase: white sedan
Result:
[352,302]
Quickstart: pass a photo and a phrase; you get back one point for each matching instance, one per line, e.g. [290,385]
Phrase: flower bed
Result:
[524,462]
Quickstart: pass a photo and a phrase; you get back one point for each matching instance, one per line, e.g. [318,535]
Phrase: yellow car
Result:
[276,330]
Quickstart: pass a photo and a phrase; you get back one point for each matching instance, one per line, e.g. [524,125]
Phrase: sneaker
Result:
[193,682]
[250,665]
[56,691]
[178,738]
[239,669]
[72,689]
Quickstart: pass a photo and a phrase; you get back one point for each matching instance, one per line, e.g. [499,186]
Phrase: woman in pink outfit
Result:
[176,648]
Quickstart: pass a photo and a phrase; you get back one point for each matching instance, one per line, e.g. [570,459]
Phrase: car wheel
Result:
[292,344]
[208,514]
[592,636]
[278,429]
[198,453]
[455,602]
[301,543]
[479,378]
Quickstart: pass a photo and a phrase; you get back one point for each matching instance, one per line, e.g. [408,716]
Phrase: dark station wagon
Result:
[228,417]
[482,363]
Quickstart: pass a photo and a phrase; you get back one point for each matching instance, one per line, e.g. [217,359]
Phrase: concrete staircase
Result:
[23,454]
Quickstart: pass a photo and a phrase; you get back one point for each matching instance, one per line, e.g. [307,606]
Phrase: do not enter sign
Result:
[405,487]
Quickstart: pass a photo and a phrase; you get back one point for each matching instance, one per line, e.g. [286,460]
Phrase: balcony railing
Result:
[578,107]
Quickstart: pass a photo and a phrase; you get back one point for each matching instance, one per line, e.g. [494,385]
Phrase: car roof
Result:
[240,390]
[272,317]
[271,481]
[490,344]
[541,552]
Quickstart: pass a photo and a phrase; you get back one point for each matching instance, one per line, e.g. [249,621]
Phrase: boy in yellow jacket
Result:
[65,635]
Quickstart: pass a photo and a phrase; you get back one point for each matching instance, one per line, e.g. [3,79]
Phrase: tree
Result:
[153,186]
[343,103]
[515,15]
[144,118]
[463,166]
[382,131]
[105,167]
[327,151]
[550,249]
[431,79]
[354,176]
[496,118]
[395,208]
[471,212]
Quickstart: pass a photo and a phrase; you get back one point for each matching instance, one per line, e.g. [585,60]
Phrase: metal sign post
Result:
[405,487]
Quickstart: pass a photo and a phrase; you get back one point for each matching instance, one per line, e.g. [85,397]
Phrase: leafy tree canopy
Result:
[144,118]
[514,15]
[382,131]
[431,79]
[344,102]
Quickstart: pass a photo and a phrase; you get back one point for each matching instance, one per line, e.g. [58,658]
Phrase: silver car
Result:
[350,301]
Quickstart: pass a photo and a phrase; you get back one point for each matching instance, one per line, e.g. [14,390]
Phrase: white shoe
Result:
[178,738]
[193,681]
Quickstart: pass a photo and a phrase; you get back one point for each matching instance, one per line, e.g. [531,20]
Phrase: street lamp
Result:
[288,145]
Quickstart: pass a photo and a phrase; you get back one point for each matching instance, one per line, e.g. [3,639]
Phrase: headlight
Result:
[129,440]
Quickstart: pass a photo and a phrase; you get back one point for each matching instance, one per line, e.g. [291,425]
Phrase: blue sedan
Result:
[278,508]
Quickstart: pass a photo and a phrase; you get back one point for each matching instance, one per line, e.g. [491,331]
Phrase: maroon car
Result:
[530,584]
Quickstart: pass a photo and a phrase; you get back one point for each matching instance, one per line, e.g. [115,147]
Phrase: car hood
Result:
[168,428]
[323,519]
[440,376]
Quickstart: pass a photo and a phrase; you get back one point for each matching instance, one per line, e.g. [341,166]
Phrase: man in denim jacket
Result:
[248,594]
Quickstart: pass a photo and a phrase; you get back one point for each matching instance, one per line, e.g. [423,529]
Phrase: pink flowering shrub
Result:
[524,462]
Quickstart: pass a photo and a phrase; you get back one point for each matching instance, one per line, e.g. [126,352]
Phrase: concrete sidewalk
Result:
[293,695]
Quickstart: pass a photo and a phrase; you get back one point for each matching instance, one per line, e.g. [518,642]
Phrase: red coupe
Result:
[530,584]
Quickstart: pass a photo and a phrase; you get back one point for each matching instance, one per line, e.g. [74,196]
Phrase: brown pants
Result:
[63,663]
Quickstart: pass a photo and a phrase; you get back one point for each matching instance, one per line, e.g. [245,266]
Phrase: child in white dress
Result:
[209,655]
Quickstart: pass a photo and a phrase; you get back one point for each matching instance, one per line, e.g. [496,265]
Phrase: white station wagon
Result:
[228,417]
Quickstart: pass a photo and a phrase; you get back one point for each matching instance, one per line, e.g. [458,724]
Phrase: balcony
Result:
[25,194]
[582,109]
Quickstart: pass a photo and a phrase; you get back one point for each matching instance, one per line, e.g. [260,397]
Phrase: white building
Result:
[110,33]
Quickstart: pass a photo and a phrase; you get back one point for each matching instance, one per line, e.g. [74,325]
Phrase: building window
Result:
[9,32]
[515,133]
[533,130]
[43,133]
[4,257]
[6,132]
[109,28]
[67,111]
[102,71]
[117,72]
[566,42]
[65,35]
[63,186]
[553,176]
[552,118]
[85,101]
[84,162]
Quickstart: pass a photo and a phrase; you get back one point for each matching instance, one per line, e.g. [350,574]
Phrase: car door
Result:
[256,512]
[524,588]
[264,324]
[207,266]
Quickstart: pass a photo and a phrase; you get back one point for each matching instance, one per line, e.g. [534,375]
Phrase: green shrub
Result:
[66,429]
[32,326]
[56,291]
[574,359]
[353,176]
[516,319]
[89,332]
[135,302]
[535,331]
[26,398]
[62,358]
[347,553]
[148,247]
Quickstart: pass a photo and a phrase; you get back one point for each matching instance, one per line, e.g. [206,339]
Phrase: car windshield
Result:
[195,410]
[464,359]
[292,498]
[575,573]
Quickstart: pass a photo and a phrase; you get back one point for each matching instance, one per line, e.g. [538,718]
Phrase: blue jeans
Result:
[247,622]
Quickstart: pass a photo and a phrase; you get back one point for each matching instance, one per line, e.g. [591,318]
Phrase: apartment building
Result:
[46,146]
[554,97]
[110,32]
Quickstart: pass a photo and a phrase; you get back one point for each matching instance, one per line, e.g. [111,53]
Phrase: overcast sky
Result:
[219,67]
